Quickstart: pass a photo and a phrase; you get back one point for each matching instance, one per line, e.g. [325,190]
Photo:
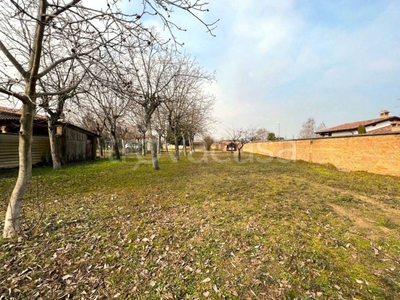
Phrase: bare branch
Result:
[24,11]
[12,59]
[61,92]
[55,64]
[23,98]
[62,9]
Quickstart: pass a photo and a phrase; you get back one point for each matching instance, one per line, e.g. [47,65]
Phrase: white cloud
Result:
[289,60]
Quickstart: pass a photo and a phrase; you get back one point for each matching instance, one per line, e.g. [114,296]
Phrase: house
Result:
[74,143]
[383,124]
[227,145]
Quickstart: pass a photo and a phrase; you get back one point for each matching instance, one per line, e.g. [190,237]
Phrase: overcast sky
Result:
[288,60]
[284,61]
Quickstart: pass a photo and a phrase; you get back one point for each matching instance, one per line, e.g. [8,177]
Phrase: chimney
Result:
[384,114]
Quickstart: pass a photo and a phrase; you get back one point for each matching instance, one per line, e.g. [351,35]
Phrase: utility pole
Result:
[279,130]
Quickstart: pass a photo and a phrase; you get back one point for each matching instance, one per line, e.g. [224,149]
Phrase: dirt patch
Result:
[361,223]
[370,216]
[390,210]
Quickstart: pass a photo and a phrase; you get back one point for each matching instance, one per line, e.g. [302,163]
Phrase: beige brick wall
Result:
[378,154]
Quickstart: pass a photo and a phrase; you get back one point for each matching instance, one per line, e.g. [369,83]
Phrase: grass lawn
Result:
[205,227]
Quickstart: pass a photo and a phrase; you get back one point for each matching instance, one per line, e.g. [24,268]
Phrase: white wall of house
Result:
[377,126]
[344,133]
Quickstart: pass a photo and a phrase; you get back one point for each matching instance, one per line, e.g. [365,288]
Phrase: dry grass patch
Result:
[206,227]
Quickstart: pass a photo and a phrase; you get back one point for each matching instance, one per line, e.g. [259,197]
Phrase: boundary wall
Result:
[379,154]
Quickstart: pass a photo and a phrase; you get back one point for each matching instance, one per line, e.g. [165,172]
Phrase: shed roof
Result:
[7,113]
[10,110]
[12,115]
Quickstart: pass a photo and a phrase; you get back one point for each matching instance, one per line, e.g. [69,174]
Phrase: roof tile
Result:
[354,125]
[16,113]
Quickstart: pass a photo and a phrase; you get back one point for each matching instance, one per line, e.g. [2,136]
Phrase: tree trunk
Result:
[239,153]
[176,147]
[156,165]
[123,147]
[12,219]
[154,155]
[101,145]
[184,145]
[191,144]
[55,155]
[159,144]
[144,144]
[115,142]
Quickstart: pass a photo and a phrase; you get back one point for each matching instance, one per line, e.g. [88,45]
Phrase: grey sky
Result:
[286,61]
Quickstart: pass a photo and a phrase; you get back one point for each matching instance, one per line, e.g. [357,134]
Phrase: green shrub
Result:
[361,129]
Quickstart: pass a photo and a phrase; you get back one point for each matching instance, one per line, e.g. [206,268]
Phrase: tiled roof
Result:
[12,113]
[10,110]
[354,125]
[385,129]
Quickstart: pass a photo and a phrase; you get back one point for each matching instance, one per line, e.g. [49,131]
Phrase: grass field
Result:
[205,227]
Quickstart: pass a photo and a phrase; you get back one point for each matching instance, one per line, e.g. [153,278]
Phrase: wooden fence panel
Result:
[9,144]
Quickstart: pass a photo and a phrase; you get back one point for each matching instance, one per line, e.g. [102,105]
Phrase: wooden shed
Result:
[9,157]
[74,143]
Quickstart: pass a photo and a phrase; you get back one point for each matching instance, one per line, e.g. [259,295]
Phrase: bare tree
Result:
[148,72]
[160,122]
[242,136]
[182,95]
[104,102]
[308,129]
[65,75]
[208,141]
[26,26]
[198,117]
[262,134]
[137,119]
[321,127]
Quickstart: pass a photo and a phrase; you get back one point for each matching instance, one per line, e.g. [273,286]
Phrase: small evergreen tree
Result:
[361,129]
[271,136]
